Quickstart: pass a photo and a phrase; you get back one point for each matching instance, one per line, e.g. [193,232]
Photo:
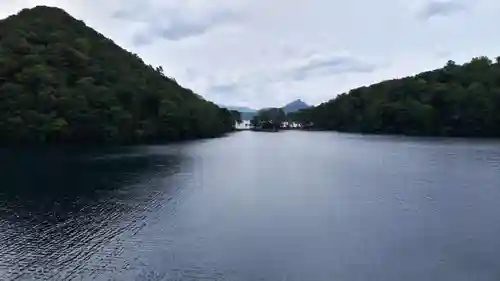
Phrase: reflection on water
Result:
[278,206]
[59,206]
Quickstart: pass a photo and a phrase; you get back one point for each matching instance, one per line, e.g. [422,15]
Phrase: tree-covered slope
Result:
[63,81]
[456,100]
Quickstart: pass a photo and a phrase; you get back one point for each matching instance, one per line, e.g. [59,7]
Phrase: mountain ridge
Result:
[248,113]
[62,81]
[294,106]
[456,100]
[241,109]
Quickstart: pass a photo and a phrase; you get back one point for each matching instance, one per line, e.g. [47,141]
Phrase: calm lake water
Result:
[305,206]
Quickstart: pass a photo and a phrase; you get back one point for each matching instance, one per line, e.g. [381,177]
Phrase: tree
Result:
[271,118]
[63,81]
[456,100]
[255,122]
[236,116]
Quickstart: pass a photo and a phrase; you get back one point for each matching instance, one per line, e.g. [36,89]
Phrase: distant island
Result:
[61,81]
[456,100]
[246,113]
[242,109]
[249,113]
[269,119]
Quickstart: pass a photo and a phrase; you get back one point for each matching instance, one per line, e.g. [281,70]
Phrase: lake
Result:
[305,206]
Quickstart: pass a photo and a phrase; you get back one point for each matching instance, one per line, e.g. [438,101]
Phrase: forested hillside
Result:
[61,81]
[456,100]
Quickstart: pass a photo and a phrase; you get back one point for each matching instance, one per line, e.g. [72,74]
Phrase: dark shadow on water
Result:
[68,176]
[55,201]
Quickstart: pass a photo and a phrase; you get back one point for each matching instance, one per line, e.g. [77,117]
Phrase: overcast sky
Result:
[263,53]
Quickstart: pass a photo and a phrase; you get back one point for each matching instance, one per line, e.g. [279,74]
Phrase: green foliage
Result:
[236,115]
[269,118]
[62,81]
[255,121]
[456,100]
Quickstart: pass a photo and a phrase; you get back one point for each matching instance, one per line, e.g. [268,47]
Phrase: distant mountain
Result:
[239,108]
[247,113]
[295,105]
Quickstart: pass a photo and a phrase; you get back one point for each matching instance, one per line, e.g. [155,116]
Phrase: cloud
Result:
[224,88]
[140,39]
[435,8]
[329,65]
[267,53]
[171,23]
[273,81]
[180,28]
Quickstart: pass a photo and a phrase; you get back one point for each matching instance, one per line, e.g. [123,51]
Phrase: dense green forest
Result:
[61,81]
[269,119]
[456,100]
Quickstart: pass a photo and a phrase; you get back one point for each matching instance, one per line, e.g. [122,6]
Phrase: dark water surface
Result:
[305,206]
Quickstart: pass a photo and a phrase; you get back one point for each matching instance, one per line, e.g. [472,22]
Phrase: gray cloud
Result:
[171,24]
[267,53]
[140,39]
[126,14]
[181,28]
[443,54]
[435,8]
[301,70]
[326,66]
[224,88]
